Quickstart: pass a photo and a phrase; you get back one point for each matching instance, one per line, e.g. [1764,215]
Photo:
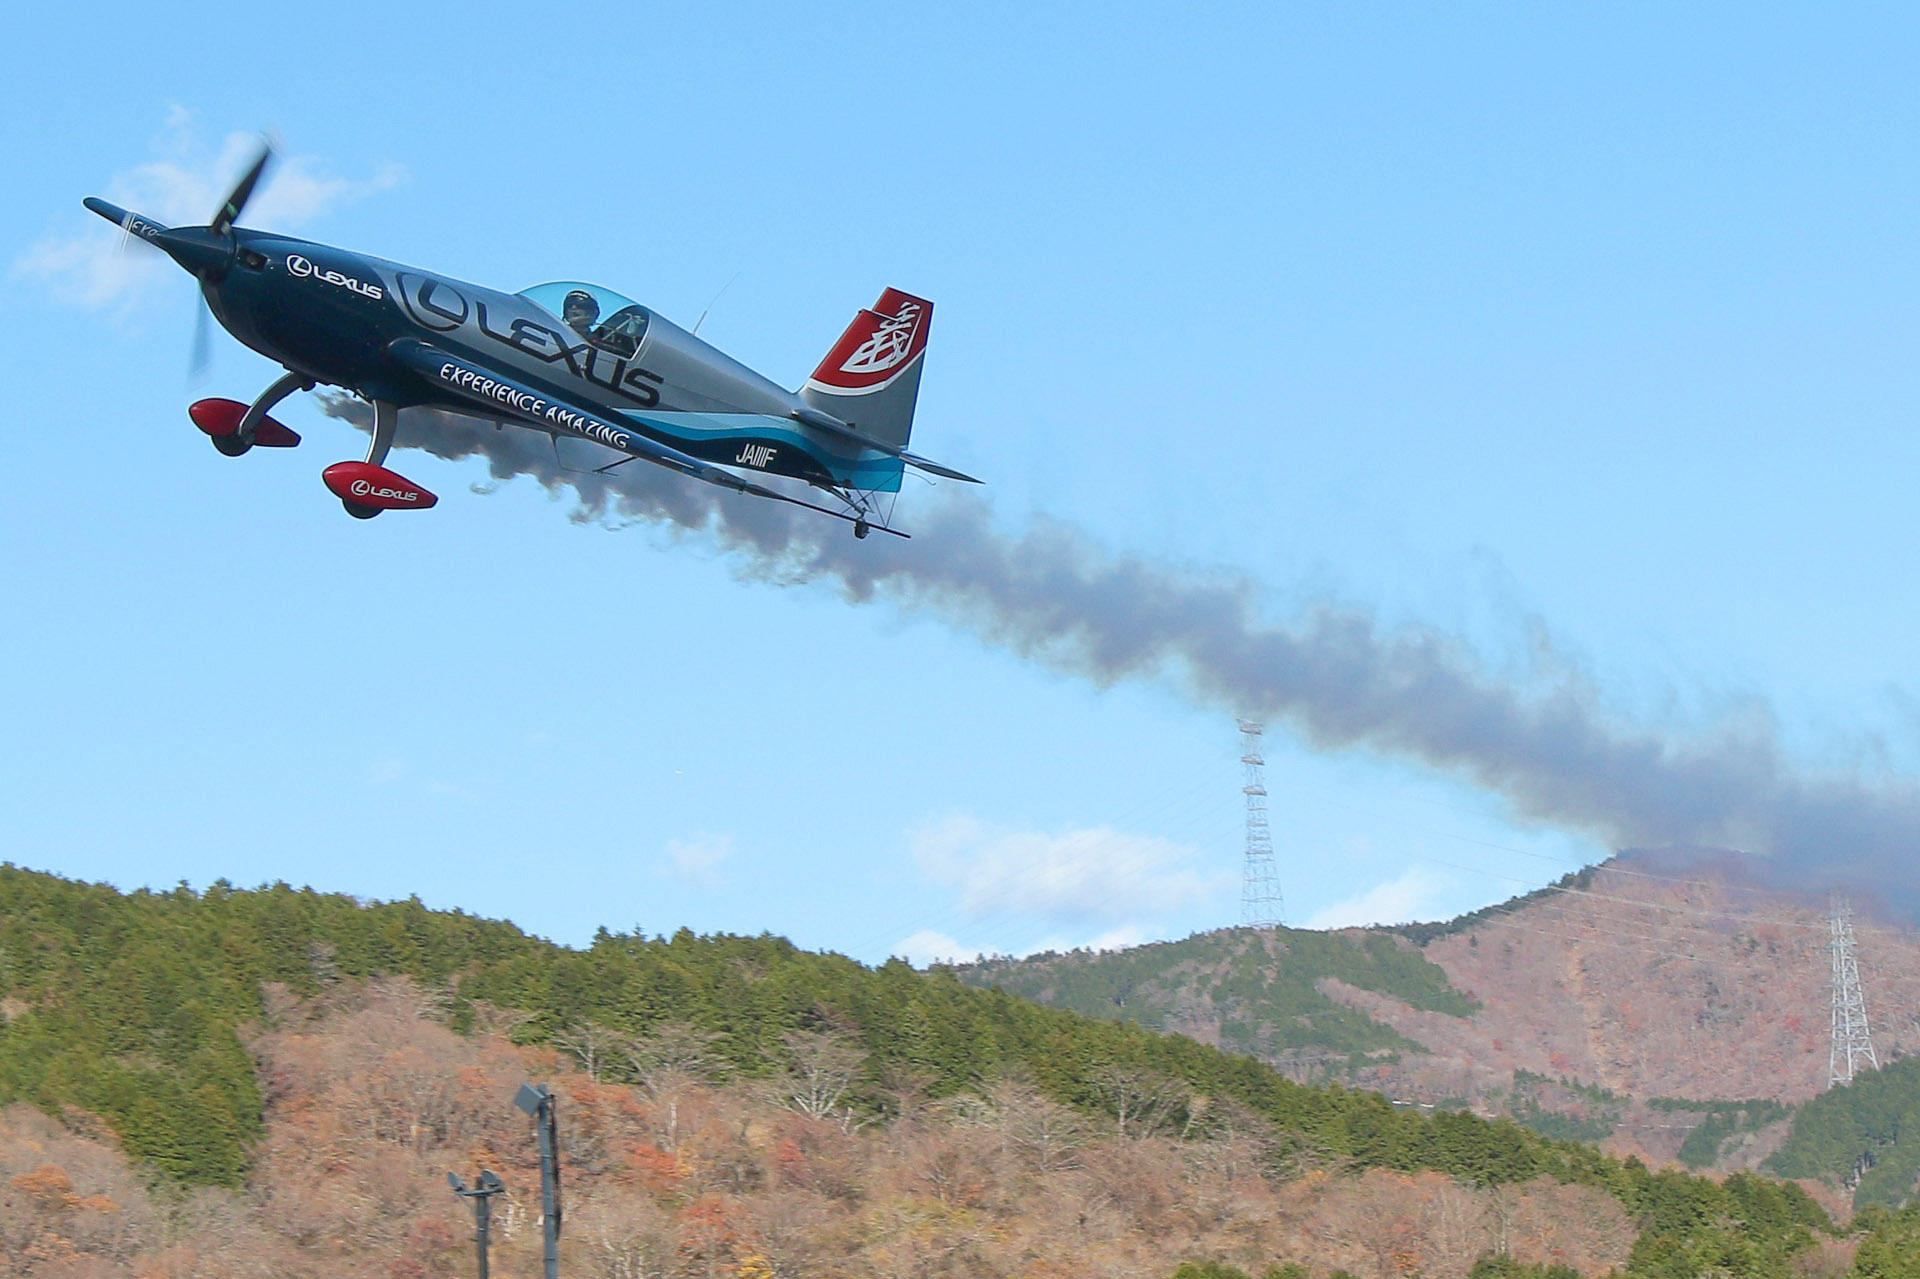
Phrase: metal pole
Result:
[483,1224]
[550,1184]
[538,1101]
[482,1198]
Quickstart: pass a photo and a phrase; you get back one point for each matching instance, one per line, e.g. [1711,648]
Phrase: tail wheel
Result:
[359,511]
[231,445]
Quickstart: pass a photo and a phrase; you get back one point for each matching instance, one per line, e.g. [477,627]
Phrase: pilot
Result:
[580,311]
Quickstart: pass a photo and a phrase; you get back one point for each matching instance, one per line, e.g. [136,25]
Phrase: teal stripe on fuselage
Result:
[873,472]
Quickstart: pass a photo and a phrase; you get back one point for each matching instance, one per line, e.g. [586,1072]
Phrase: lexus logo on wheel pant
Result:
[364,488]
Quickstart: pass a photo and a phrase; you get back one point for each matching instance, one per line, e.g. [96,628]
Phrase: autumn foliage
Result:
[276,1082]
[370,1101]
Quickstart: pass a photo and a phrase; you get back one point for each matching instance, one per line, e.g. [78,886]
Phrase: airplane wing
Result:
[488,391]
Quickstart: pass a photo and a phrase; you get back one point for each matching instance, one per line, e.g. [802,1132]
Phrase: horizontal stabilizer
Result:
[821,421]
[934,468]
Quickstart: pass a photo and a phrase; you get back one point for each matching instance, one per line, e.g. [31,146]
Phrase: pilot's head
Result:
[580,310]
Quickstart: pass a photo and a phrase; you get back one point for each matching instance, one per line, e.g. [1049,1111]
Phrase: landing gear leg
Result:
[385,417]
[269,398]
[243,436]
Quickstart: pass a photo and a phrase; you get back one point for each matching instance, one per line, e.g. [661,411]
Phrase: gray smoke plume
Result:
[1546,744]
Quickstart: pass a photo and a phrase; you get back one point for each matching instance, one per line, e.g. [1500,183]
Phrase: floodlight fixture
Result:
[481,1196]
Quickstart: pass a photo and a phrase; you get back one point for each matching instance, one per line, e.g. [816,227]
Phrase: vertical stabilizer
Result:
[871,377]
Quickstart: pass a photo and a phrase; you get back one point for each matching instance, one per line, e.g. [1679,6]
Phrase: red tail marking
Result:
[878,345]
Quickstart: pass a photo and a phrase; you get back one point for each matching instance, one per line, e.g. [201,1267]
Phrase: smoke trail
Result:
[1549,748]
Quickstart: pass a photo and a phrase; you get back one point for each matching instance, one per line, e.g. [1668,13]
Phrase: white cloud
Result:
[1121,938]
[1414,895]
[182,185]
[696,861]
[1098,874]
[929,947]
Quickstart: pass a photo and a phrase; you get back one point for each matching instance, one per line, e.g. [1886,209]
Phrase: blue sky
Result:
[1582,339]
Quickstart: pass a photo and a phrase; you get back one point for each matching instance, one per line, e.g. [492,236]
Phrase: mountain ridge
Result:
[1675,982]
[1613,976]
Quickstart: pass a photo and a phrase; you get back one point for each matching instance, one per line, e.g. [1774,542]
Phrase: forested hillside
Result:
[688,1173]
[129,1006]
[168,1016]
[1865,1135]
[1643,977]
[1247,990]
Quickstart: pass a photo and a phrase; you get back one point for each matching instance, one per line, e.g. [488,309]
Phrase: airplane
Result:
[567,358]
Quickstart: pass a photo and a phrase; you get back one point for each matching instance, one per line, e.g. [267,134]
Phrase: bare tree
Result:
[821,1069]
[673,1054]
[592,1044]
[628,1238]
[1043,1135]
[1142,1101]
[674,1057]
[491,1019]
[414,1099]
[405,999]
[322,963]
[786,1231]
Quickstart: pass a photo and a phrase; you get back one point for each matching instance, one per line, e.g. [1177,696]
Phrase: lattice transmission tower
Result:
[1852,1041]
[1261,905]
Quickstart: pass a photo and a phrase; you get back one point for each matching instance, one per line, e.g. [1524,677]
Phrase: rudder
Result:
[871,377]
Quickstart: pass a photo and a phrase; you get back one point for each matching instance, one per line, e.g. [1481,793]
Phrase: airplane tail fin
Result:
[871,378]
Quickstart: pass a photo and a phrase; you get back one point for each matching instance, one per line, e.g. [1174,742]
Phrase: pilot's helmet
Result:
[579,308]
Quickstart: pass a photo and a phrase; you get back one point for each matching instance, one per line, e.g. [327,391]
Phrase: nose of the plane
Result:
[198,249]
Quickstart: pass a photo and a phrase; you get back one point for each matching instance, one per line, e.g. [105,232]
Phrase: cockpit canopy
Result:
[614,323]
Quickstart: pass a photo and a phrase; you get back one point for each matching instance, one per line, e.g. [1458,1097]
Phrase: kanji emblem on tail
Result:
[878,346]
[889,346]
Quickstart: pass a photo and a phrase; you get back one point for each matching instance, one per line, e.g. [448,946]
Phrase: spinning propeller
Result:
[206,252]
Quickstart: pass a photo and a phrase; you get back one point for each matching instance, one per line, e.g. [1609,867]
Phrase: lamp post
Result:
[482,1197]
[538,1101]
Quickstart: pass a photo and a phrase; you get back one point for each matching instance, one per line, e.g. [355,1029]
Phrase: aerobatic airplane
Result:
[567,358]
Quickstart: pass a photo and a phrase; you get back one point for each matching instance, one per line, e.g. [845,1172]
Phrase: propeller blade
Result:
[202,354]
[230,211]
